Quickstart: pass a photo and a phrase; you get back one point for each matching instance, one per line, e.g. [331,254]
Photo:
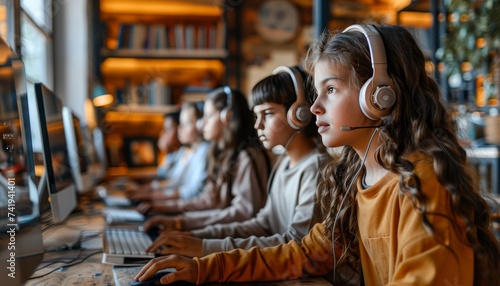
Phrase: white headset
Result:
[298,114]
[225,113]
[376,97]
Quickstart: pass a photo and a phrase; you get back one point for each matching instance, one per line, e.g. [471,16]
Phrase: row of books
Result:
[152,93]
[176,36]
[157,93]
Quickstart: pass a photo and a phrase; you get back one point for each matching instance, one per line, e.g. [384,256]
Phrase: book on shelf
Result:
[201,36]
[220,41]
[180,41]
[123,36]
[157,37]
[163,42]
[138,36]
[212,37]
[150,43]
[189,37]
[159,93]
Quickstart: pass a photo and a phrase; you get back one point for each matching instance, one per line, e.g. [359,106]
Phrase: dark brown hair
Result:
[278,88]
[238,136]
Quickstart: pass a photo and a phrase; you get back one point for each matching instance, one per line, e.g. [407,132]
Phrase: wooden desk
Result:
[89,272]
[92,271]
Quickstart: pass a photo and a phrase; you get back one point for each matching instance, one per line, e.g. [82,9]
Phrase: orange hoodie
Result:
[395,249]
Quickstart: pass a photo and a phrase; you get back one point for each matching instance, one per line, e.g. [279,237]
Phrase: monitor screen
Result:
[83,154]
[93,135]
[21,244]
[58,175]
[77,151]
[98,164]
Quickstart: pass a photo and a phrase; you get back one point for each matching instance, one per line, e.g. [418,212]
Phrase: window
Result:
[28,24]
[36,41]
[39,11]
[27,27]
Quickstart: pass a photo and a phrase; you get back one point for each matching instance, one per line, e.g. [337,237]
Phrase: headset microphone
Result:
[351,128]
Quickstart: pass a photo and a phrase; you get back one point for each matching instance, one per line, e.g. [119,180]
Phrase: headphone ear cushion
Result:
[365,101]
[298,116]
[384,98]
[225,115]
[377,103]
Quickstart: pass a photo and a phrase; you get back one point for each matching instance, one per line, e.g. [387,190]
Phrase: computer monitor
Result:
[58,176]
[94,134]
[21,244]
[98,164]
[78,151]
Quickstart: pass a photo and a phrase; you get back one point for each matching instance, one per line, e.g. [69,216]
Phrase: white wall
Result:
[71,53]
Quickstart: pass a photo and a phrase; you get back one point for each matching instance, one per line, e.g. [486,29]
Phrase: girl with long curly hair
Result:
[402,205]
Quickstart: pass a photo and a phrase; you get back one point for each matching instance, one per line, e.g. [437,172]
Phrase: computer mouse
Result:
[153,280]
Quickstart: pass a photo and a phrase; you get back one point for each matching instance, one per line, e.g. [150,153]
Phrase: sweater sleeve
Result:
[257,232]
[206,200]
[286,261]
[248,195]
[255,226]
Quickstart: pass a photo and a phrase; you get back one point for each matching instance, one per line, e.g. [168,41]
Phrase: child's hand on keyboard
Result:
[189,246]
[157,207]
[144,207]
[163,223]
[146,188]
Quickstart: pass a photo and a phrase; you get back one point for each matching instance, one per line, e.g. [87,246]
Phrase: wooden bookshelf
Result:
[177,43]
[148,52]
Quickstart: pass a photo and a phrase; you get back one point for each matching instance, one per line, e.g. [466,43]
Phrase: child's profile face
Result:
[188,133]
[337,105]
[212,125]
[271,124]
[168,135]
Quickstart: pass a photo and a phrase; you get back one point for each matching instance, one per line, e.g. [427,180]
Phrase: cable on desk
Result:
[59,260]
[82,238]
[62,259]
[78,244]
[75,246]
[66,266]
